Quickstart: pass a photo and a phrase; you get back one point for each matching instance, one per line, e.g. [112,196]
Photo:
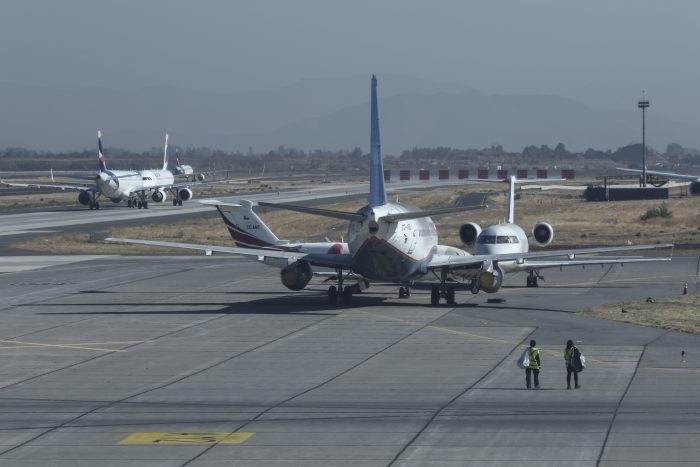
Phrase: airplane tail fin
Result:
[511,200]
[101,155]
[245,227]
[165,153]
[377,193]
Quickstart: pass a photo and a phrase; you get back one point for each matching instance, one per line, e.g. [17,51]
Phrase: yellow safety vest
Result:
[534,352]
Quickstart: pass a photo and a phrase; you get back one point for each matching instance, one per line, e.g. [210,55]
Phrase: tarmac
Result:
[209,361]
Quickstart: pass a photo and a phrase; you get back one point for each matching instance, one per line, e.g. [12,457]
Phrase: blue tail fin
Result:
[101,156]
[377,194]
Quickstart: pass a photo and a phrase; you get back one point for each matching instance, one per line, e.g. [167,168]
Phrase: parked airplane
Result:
[390,242]
[136,187]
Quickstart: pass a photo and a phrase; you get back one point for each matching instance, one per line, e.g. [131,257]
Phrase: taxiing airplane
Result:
[136,187]
[390,242]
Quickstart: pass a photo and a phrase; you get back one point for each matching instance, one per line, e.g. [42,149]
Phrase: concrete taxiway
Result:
[209,361]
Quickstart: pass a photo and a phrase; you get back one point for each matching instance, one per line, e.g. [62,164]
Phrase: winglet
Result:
[377,194]
[100,155]
[165,153]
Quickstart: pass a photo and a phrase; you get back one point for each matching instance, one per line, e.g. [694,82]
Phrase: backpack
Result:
[578,361]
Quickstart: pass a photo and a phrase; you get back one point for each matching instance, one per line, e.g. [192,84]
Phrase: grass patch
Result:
[675,313]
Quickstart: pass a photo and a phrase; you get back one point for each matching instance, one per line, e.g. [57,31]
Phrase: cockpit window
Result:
[500,239]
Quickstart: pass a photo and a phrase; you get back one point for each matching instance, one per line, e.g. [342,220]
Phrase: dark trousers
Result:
[569,370]
[535,372]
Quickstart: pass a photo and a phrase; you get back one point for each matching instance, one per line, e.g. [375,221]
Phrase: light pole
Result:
[643,104]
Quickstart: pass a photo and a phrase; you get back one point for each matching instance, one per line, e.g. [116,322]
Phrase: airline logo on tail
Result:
[101,157]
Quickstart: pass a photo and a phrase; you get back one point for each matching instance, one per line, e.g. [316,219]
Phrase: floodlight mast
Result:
[643,104]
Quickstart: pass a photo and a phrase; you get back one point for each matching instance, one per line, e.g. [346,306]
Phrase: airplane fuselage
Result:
[120,184]
[391,251]
[502,239]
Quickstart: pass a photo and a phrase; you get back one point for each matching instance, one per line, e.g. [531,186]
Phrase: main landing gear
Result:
[94,204]
[177,202]
[345,293]
[443,290]
[405,291]
[140,203]
[531,280]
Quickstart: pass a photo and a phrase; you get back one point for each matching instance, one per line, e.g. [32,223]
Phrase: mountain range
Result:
[330,113]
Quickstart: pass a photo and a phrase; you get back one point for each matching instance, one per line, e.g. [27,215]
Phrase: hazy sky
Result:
[602,52]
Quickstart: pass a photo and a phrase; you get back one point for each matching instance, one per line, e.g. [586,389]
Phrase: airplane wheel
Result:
[174,202]
[435,295]
[534,282]
[92,207]
[450,296]
[140,204]
[402,292]
[179,202]
[145,204]
[332,295]
[97,205]
[347,295]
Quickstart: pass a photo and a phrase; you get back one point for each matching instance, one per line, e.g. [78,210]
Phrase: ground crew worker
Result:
[570,366]
[534,366]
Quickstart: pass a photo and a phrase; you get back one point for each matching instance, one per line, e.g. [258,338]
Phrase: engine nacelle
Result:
[491,282]
[296,275]
[469,232]
[159,196]
[542,233]
[201,177]
[84,198]
[185,194]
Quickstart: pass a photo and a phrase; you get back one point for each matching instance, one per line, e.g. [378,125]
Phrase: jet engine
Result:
[159,196]
[296,275]
[201,177]
[543,233]
[84,198]
[469,232]
[185,194]
[490,282]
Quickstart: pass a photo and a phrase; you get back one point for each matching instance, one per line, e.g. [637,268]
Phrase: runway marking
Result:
[187,438]
[81,346]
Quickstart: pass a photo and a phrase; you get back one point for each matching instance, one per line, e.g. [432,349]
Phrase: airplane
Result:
[390,242]
[508,237]
[693,179]
[133,186]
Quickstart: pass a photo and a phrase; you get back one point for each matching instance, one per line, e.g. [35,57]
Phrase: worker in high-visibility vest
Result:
[534,366]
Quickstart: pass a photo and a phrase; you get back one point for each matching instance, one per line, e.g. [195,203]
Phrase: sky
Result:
[603,53]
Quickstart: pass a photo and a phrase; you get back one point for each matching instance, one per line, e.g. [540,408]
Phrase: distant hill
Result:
[322,113]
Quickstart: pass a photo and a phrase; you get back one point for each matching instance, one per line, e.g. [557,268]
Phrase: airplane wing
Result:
[59,187]
[330,260]
[663,174]
[586,262]
[455,261]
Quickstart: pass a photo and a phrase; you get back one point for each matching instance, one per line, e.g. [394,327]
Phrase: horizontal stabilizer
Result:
[430,212]
[348,216]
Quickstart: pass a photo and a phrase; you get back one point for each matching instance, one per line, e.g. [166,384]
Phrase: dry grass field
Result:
[677,313]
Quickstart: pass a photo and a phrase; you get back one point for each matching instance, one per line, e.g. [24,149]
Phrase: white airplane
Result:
[133,186]
[508,238]
[390,242]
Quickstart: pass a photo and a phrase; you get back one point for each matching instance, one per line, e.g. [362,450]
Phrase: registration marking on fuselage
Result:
[184,438]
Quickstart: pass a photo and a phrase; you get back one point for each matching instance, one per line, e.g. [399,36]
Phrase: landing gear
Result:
[443,290]
[344,292]
[177,202]
[94,205]
[531,280]
[405,291]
